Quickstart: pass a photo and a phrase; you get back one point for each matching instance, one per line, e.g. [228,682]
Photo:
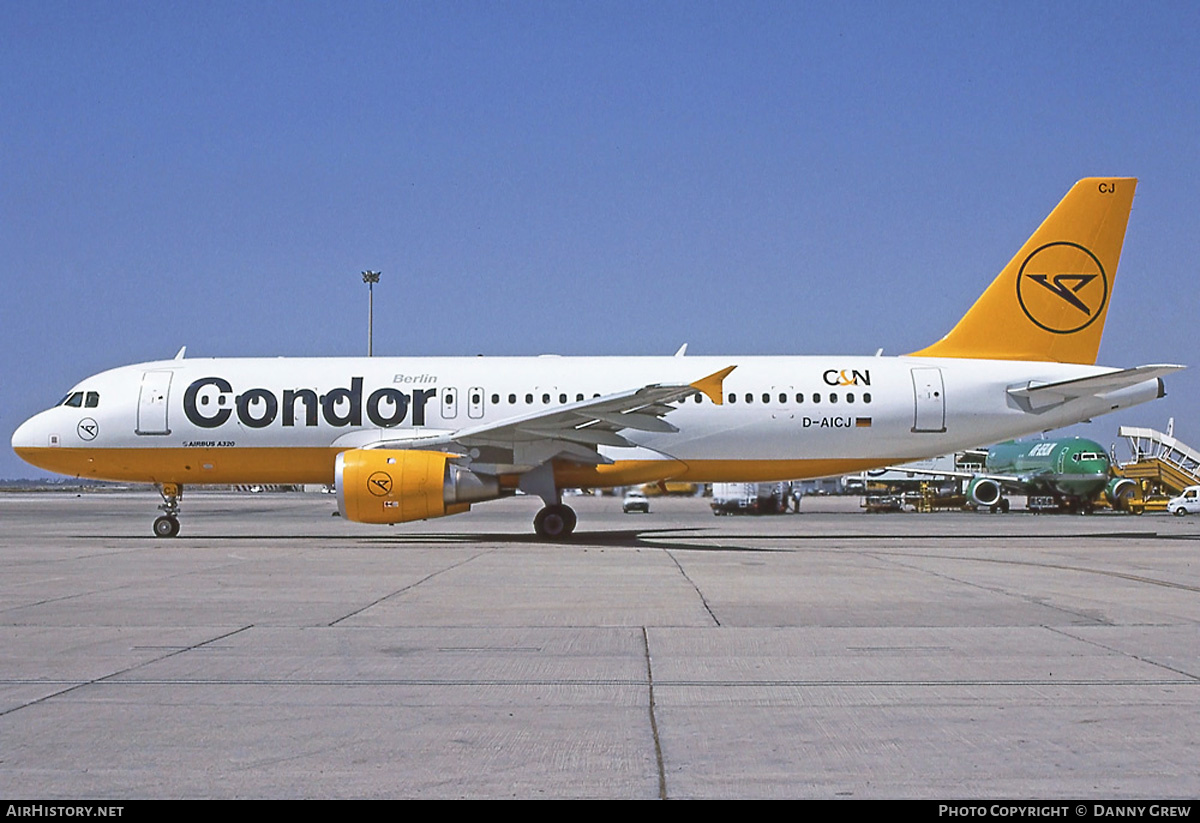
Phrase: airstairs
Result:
[1160,460]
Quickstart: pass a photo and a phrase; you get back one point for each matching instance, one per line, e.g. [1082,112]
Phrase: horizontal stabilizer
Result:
[1091,386]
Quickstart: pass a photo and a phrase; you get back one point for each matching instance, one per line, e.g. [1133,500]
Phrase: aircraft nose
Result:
[31,434]
[23,437]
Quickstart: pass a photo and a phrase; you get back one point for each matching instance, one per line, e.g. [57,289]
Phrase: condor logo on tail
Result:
[1062,287]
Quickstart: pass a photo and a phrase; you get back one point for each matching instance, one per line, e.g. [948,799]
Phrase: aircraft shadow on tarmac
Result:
[689,538]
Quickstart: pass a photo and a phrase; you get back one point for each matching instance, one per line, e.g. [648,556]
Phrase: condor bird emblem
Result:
[379,484]
[1062,287]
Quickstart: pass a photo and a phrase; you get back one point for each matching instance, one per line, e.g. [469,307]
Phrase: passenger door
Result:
[152,403]
[929,406]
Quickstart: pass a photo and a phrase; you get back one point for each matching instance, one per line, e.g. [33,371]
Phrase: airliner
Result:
[406,439]
[1069,474]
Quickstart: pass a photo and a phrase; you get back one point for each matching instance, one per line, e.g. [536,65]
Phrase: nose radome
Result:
[32,434]
[23,437]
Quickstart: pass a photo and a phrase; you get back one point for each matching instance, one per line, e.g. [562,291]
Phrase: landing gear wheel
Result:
[166,527]
[168,524]
[555,522]
[1004,505]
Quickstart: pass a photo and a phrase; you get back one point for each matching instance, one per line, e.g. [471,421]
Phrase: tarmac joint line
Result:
[96,680]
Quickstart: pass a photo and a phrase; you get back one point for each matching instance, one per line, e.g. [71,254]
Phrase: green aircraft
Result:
[1067,474]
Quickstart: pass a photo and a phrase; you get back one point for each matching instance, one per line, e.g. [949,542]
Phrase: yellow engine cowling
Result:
[392,486]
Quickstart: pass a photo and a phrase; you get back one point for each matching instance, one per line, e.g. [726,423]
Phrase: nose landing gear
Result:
[168,524]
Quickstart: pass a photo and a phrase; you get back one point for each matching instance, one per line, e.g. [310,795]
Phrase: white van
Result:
[1186,503]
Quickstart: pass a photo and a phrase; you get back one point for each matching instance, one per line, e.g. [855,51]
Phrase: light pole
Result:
[370,278]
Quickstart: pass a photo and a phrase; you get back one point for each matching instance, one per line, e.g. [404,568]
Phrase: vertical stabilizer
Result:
[1051,300]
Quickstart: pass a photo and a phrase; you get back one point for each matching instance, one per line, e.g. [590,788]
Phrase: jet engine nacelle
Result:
[395,486]
[1119,491]
[983,491]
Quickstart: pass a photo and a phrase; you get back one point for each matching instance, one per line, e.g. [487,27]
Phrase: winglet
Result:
[710,386]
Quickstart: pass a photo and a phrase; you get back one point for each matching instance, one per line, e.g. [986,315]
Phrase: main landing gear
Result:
[555,521]
[168,524]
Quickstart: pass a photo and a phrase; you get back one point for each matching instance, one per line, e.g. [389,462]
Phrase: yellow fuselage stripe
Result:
[315,465]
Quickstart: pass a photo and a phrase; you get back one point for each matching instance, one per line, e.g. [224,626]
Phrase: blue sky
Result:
[574,177]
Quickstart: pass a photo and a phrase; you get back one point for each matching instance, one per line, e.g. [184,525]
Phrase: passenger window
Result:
[529,400]
[816,397]
[732,397]
[579,397]
[749,397]
[850,397]
[562,398]
[512,400]
[495,400]
[766,397]
[799,397]
[782,399]
[832,397]
[545,399]
[866,397]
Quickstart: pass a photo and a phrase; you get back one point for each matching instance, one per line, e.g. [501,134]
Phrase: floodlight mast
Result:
[370,278]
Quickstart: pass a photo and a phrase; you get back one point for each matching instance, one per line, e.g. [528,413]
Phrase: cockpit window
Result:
[78,399]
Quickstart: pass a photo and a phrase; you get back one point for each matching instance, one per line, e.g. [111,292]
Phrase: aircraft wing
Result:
[573,431]
[999,478]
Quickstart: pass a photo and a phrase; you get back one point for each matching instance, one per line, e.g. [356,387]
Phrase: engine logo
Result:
[379,484]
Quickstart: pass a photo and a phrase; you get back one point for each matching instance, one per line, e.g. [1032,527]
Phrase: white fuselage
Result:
[284,420]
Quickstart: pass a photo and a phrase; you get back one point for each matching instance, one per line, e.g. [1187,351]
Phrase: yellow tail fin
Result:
[1050,301]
